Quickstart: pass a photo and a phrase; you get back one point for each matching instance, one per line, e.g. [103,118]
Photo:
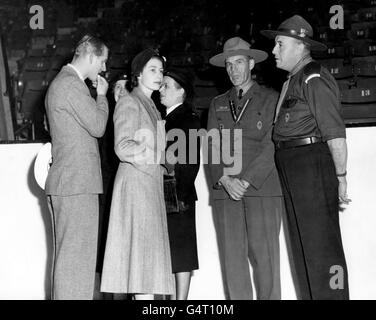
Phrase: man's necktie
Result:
[240,94]
[281,97]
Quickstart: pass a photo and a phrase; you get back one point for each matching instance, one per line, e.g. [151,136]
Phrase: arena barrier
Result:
[25,227]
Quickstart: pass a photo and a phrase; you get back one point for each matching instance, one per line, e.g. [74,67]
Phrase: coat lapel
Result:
[149,106]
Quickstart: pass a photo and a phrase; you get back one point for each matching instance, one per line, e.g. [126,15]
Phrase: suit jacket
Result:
[76,120]
[184,118]
[256,152]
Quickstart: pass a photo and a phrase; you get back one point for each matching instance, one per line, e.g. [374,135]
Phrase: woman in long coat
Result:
[137,257]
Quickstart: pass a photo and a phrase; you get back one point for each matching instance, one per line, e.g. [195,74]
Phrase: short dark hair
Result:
[88,44]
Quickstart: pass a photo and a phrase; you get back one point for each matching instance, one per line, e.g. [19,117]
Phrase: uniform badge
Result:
[222,108]
[233,111]
[259,125]
[287,117]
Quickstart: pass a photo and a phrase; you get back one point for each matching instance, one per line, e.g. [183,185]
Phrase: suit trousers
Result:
[75,232]
[310,187]
[249,229]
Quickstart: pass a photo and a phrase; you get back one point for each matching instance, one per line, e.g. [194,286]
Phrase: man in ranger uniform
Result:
[248,201]
[311,156]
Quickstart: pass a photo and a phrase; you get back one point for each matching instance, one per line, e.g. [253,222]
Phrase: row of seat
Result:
[357,90]
[345,68]
[351,53]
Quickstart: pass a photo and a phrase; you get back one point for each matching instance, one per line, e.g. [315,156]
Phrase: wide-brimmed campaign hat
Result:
[296,27]
[236,47]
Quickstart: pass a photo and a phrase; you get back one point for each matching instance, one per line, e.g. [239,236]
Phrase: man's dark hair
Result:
[89,44]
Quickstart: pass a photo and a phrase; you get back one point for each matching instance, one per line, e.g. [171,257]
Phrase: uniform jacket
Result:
[257,148]
[185,173]
[76,120]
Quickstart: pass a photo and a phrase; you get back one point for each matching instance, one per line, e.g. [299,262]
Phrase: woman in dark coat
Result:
[176,94]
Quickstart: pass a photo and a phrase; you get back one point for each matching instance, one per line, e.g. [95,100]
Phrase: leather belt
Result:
[296,142]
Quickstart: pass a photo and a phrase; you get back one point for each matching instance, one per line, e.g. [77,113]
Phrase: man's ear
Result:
[251,64]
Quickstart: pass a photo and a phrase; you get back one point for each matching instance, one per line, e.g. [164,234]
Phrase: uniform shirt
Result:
[254,112]
[311,107]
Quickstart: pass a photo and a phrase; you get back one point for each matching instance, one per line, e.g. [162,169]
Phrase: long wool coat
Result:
[137,257]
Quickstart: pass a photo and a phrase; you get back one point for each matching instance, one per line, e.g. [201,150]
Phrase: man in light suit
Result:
[248,201]
[74,180]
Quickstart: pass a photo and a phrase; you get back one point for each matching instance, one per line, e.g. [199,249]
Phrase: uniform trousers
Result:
[310,188]
[75,232]
[249,229]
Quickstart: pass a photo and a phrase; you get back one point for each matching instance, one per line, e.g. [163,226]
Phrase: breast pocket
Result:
[257,127]
[290,102]
[294,111]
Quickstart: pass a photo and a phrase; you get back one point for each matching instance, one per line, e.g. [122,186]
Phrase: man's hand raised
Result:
[102,86]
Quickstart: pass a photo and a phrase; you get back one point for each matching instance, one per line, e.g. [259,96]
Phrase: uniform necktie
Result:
[281,97]
[240,94]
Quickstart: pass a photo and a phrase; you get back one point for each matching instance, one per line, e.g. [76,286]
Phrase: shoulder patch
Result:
[220,100]
[312,67]
[314,75]
[312,70]
[223,95]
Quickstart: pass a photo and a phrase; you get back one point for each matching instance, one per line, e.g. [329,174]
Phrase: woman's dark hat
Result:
[237,47]
[117,77]
[296,27]
[141,59]
[184,79]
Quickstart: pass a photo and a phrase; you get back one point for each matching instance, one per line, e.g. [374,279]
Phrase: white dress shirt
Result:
[172,108]
[77,71]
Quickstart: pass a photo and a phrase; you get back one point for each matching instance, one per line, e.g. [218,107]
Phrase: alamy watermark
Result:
[337,281]
[337,20]
[218,147]
[37,20]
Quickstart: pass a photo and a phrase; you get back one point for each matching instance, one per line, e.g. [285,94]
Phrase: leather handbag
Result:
[170,194]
